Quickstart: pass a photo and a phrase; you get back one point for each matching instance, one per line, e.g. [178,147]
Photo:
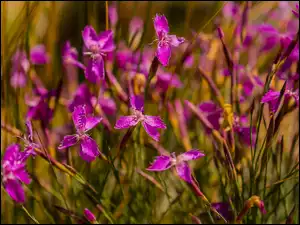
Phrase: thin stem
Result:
[31,217]
[106,15]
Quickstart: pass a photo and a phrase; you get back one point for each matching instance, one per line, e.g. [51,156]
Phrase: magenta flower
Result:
[38,55]
[70,56]
[38,105]
[89,215]
[213,114]
[20,67]
[136,25]
[166,79]
[183,170]
[82,96]
[150,123]
[97,47]
[21,64]
[224,209]
[165,41]
[83,123]
[14,172]
[271,97]
[113,14]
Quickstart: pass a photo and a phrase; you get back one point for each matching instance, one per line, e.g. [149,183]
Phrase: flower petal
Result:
[160,163]
[91,122]
[18,79]
[23,176]
[95,70]
[15,190]
[89,215]
[184,171]
[151,131]
[175,41]
[89,36]
[88,149]
[125,122]
[191,155]
[106,41]
[161,25]
[79,117]
[11,152]
[155,121]
[163,53]
[270,96]
[137,102]
[38,55]
[68,141]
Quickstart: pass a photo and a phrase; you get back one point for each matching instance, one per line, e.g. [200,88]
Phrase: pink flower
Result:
[165,41]
[97,47]
[150,123]
[89,215]
[14,172]
[83,123]
[164,162]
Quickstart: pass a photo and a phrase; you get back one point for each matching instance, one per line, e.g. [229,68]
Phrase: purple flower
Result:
[21,64]
[165,41]
[243,131]
[14,172]
[70,56]
[38,106]
[97,46]
[164,162]
[213,114]
[89,215]
[20,67]
[150,123]
[271,97]
[38,55]
[82,96]
[224,209]
[113,14]
[83,123]
[136,25]
[166,79]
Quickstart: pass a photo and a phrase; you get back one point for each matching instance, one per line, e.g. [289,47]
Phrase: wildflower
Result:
[97,47]
[166,79]
[89,215]
[70,56]
[38,106]
[38,55]
[113,14]
[164,162]
[83,123]
[14,172]
[224,209]
[271,97]
[21,64]
[20,67]
[150,123]
[136,27]
[165,41]
[213,114]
